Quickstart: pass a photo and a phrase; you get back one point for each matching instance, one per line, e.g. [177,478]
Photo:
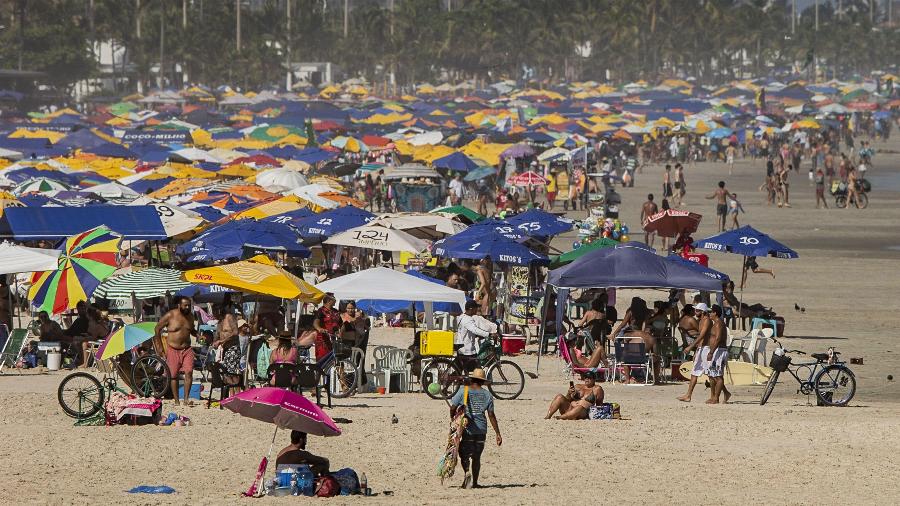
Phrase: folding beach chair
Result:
[13,347]
[569,367]
[634,356]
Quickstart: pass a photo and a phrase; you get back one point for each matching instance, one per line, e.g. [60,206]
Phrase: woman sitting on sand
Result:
[577,402]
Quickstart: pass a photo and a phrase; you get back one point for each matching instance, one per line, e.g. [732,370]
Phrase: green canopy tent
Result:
[460,211]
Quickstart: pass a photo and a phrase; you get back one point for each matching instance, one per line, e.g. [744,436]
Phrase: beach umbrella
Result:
[331,222]
[227,241]
[490,243]
[456,161]
[256,275]
[746,241]
[125,339]
[538,223]
[479,173]
[672,222]
[575,254]
[15,259]
[40,185]
[86,259]
[527,178]
[286,178]
[422,225]
[143,284]
[460,212]
[517,151]
[290,217]
[283,408]
[378,238]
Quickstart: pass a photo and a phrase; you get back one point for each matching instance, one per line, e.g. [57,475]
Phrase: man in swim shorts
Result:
[179,325]
[717,356]
[721,195]
[701,311]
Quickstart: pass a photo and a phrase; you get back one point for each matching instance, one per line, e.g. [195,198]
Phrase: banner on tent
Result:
[158,136]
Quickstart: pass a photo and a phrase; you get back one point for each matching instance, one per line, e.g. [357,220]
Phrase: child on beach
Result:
[734,207]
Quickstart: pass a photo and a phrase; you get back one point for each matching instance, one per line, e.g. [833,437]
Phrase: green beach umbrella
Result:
[575,254]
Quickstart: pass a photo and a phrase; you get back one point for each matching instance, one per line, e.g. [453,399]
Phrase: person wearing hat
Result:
[577,402]
[700,348]
[478,405]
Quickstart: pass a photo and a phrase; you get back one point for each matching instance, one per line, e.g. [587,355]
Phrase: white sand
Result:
[664,452]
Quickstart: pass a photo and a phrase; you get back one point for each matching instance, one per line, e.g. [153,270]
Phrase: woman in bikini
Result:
[577,402]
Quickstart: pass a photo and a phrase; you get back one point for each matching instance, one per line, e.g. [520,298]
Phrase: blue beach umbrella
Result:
[492,244]
[457,162]
[539,223]
[227,241]
[480,173]
[329,223]
[290,217]
[746,241]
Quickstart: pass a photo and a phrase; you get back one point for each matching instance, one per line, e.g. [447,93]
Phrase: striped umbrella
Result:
[143,284]
[40,185]
[87,259]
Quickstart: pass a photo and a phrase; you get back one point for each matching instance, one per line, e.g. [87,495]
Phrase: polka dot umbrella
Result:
[87,259]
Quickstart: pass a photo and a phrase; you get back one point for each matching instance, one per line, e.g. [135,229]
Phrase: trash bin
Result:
[54,359]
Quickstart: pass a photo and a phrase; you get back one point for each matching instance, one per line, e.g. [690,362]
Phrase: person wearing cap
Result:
[469,335]
[478,405]
[577,402]
[700,348]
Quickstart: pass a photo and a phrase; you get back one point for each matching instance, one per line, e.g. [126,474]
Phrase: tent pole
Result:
[542,328]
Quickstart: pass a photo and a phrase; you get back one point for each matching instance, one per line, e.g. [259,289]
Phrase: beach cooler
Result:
[512,344]
[436,343]
[196,388]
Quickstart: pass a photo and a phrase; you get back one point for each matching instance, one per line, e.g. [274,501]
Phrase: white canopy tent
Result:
[15,259]
[387,284]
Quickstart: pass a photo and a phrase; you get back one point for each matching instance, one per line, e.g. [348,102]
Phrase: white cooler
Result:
[54,359]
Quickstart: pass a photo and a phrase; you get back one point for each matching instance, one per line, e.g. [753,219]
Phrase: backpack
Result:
[348,480]
[327,486]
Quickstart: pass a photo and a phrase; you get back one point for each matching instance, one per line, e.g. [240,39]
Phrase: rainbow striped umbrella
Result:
[87,259]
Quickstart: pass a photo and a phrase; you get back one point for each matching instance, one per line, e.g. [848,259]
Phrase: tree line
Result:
[247,42]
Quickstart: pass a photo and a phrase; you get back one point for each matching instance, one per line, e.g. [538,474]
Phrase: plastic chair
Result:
[757,348]
[396,362]
[757,323]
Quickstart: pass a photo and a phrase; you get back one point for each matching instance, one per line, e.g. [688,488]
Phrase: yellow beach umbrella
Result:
[257,275]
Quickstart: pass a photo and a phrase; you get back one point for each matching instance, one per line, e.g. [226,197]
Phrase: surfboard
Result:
[737,373]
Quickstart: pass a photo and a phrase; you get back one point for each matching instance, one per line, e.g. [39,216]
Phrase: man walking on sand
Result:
[717,357]
[721,195]
[647,210]
[478,405]
[701,311]
[179,325]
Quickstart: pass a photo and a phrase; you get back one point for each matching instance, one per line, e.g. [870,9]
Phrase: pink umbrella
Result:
[285,409]
[527,179]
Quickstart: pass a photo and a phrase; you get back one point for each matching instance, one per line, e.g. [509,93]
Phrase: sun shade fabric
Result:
[143,284]
[32,223]
[381,283]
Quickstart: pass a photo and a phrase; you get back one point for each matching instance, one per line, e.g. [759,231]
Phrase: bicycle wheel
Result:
[835,385]
[80,395]
[506,380]
[770,386]
[840,201]
[150,377]
[862,200]
[443,373]
[344,379]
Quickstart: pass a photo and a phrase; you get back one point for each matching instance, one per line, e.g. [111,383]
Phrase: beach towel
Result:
[447,464]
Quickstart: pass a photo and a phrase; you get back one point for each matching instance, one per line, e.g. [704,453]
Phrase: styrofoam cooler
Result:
[54,360]
[512,344]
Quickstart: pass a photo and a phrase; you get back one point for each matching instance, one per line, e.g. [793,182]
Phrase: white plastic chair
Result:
[757,348]
[396,362]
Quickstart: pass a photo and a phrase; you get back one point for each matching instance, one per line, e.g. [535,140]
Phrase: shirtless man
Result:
[717,356]
[485,293]
[701,310]
[179,325]
[647,210]
[721,196]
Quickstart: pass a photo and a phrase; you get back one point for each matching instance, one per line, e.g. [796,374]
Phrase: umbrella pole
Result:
[13,302]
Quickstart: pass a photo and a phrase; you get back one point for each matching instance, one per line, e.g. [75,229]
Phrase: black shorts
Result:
[721,209]
[751,263]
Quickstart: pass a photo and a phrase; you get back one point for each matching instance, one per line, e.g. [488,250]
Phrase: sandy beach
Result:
[662,452]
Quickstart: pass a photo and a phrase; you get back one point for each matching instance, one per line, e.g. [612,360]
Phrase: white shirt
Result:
[456,187]
[468,333]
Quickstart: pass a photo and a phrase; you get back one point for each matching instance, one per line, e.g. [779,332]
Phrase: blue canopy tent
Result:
[227,241]
[32,223]
[706,271]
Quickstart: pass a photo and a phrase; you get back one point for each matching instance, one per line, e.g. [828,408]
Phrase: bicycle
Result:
[505,378]
[832,381]
[841,195]
[346,374]
[81,395]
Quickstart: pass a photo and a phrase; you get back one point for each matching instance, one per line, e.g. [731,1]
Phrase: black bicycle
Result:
[505,378]
[832,381]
